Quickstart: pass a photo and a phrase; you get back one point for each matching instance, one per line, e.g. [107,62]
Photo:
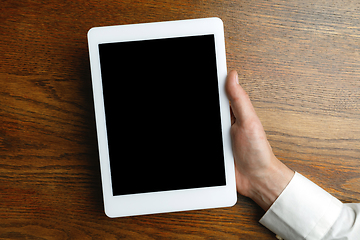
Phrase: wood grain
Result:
[298,60]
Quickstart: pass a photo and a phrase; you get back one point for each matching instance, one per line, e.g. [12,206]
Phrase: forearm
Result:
[302,211]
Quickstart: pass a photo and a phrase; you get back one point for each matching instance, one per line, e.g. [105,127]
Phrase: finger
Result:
[240,101]
[233,119]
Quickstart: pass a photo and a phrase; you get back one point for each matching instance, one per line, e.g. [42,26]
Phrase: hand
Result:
[259,174]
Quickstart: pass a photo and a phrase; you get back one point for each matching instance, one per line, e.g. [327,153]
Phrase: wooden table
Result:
[298,60]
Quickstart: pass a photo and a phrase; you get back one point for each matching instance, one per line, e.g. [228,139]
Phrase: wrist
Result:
[268,186]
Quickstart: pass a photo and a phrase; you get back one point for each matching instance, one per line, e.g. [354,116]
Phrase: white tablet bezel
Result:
[168,201]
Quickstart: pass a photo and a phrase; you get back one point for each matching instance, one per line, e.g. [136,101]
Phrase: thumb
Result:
[240,101]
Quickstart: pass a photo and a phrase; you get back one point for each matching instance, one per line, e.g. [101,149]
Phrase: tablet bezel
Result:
[175,200]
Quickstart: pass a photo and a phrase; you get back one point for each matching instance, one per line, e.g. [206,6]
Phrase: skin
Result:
[259,174]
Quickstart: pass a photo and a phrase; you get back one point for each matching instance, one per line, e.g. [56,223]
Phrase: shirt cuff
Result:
[302,211]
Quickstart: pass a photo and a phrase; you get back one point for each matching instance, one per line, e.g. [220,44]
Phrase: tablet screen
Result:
[162,114]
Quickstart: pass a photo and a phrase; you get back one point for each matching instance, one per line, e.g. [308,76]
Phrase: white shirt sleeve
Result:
[306,211]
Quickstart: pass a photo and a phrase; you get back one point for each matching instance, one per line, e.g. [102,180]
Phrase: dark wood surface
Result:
[298,60]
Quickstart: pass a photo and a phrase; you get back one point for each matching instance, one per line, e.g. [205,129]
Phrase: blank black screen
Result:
[162,114]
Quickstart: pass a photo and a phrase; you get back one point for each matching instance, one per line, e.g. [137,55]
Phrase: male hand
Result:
[259,174]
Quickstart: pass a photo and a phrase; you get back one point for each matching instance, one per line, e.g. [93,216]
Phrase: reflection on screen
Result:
[162,114]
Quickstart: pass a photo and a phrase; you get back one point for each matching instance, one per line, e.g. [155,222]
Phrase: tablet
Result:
[162,116]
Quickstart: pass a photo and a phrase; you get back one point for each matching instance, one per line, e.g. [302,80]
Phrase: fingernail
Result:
[237,78]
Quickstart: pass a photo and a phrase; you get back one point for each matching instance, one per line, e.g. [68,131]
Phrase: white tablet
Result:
[162,116]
